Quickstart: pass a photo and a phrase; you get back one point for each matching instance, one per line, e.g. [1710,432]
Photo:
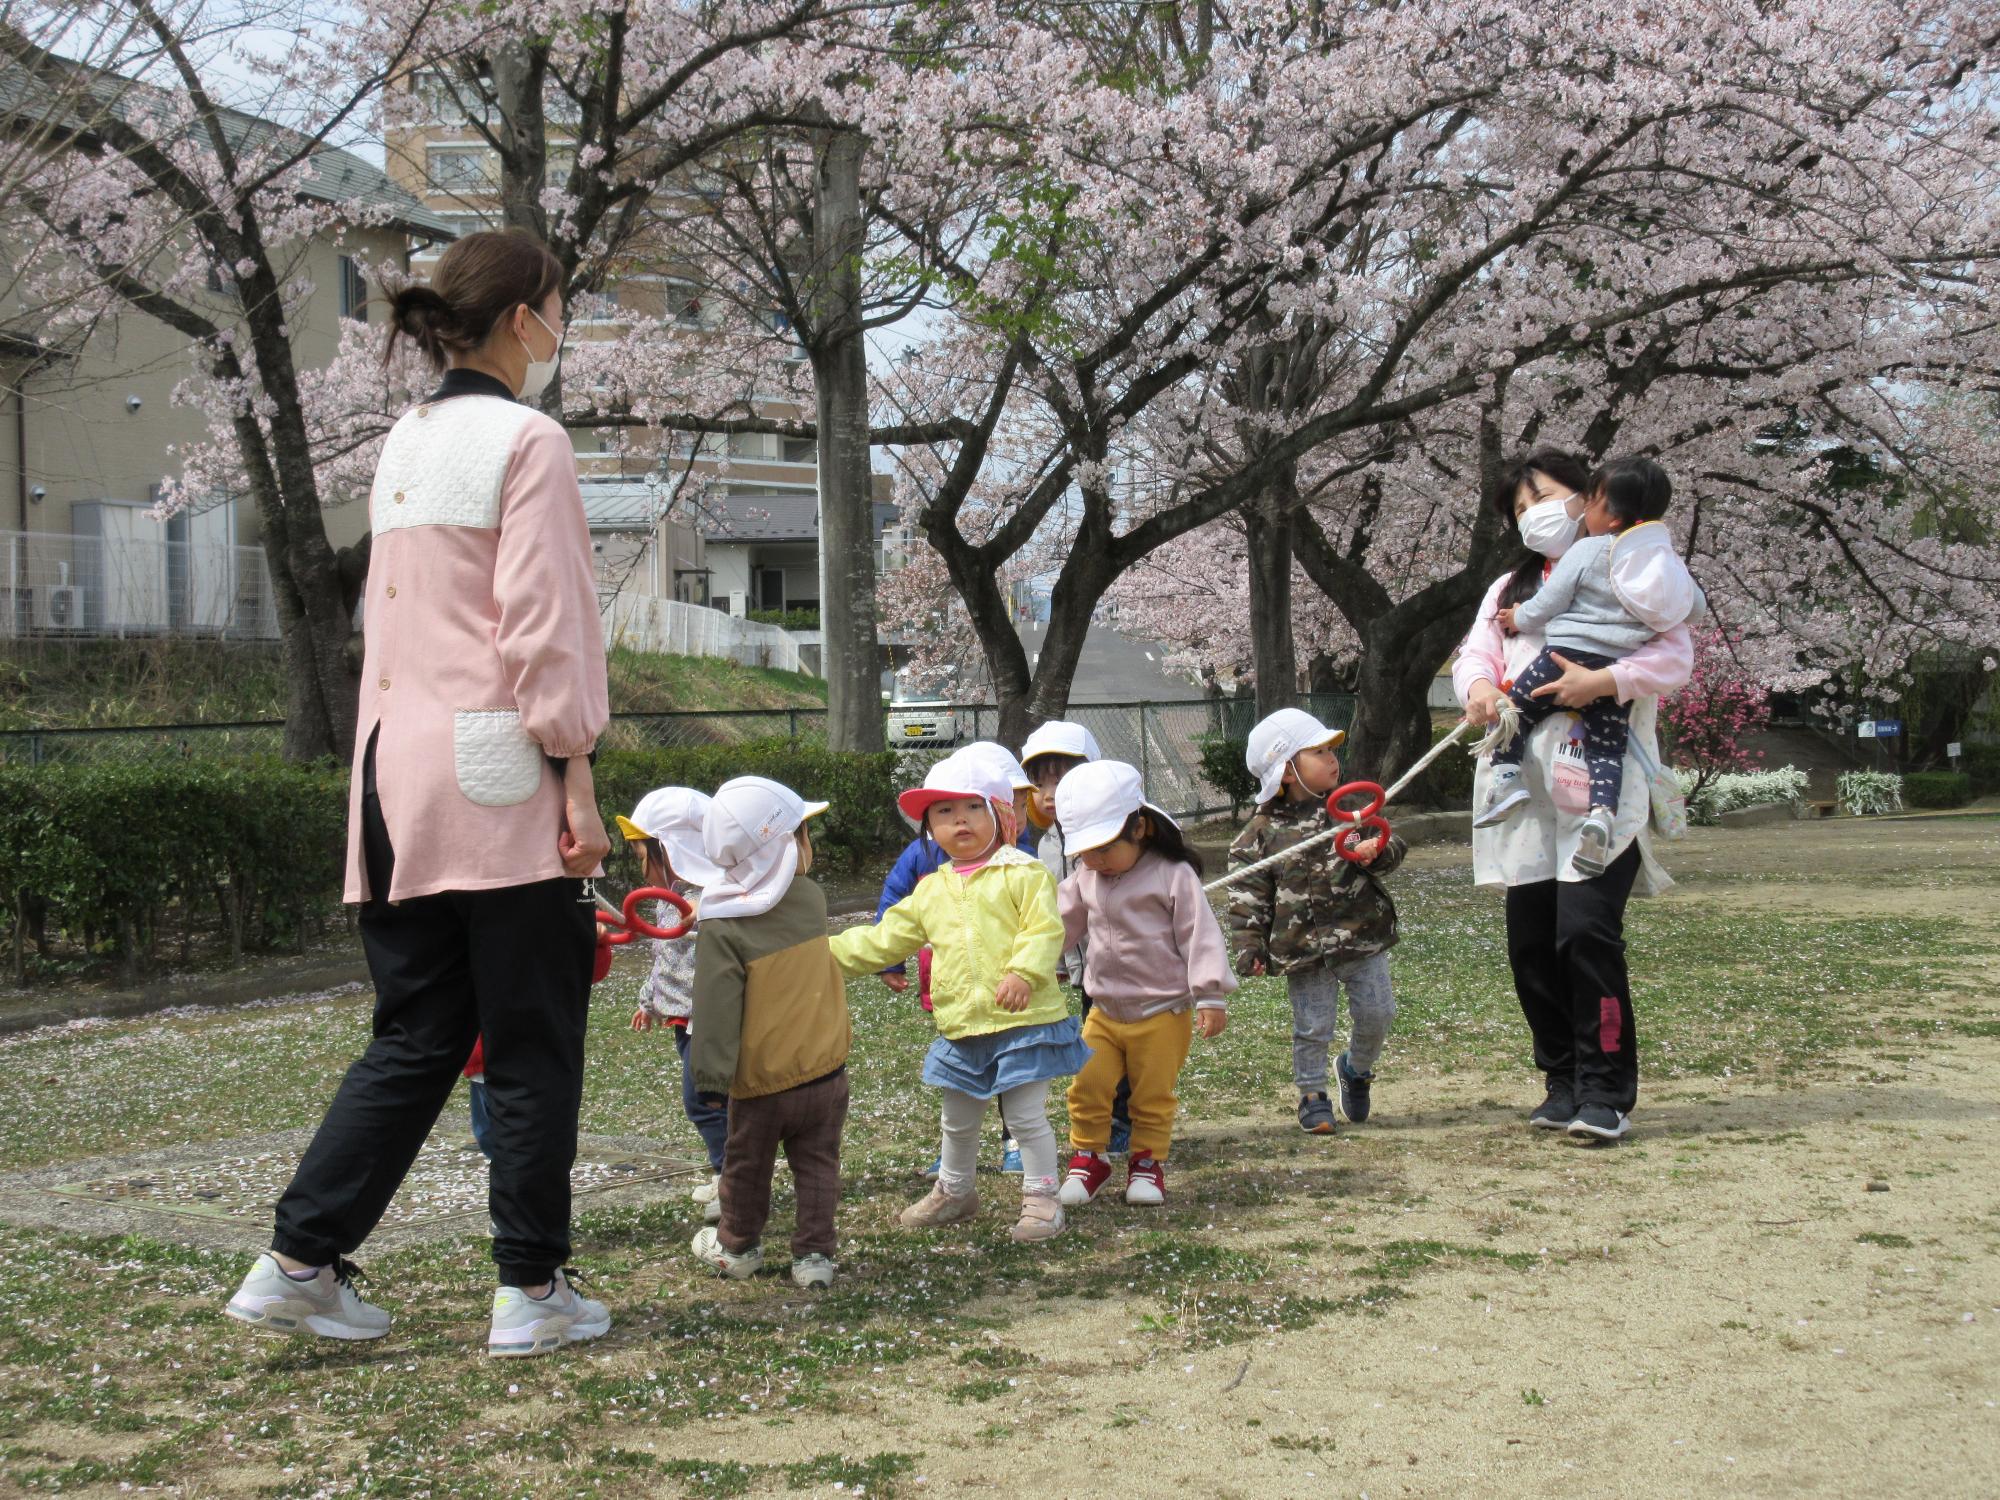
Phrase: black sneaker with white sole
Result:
[1595,1123]
[1554,1113]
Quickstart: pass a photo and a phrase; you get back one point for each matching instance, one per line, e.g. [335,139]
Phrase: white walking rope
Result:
[1334,832]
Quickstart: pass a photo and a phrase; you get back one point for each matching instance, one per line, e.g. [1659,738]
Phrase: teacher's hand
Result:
[1577,685]
[583,842]
[1480,699]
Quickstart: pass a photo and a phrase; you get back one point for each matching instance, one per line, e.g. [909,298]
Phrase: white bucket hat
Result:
[674,815]
[982,769]
[1062,737]
[1095,802]
[1277,739]
[747,836]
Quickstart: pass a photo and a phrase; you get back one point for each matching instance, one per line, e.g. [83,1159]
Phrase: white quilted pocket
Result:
[498,764]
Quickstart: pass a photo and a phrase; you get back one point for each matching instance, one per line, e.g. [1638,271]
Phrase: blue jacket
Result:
[921,858]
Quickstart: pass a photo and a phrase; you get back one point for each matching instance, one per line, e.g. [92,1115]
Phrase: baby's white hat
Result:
[674,815]
[1061,737]
[1277,739]
[982,769]
[747,836]
[1095,802]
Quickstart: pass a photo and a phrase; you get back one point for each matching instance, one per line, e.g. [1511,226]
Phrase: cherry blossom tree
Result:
[1708,720]
[171,204]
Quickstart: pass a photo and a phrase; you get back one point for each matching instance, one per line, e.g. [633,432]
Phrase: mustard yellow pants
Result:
[1148,1052]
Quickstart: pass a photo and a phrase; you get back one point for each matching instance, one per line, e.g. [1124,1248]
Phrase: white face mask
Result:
[540,371]
[1547,526]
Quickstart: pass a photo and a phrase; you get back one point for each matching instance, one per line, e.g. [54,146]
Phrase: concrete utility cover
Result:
[222,1193]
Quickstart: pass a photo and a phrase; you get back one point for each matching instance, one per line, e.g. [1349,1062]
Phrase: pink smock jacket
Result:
[485,655]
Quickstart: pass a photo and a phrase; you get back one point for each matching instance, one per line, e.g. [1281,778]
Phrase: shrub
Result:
[786,619]
[1447,781]
[1937,789]
[1710,797]
[1223,767]
[861,788]
[103,850]
[1868,792]
[1982,763]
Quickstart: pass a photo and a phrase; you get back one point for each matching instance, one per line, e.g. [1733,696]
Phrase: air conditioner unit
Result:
[59,608]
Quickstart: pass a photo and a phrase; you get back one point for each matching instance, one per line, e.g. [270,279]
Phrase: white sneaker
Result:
[326,1305]
[1593,843]
[524,1325]
[1504,793]
[709,1195]
[810,1271]
[707,1248]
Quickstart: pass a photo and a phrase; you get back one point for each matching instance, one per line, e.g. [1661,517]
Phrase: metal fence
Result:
[1166,741]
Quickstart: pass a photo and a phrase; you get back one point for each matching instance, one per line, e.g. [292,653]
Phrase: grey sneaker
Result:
[1554,1112]
[524,1325]
[1315,1114]
[1593,843]
[273,1302]
[1355,1090]
[1504,793]
[1598,1124]
[707,1248]
[812,1272]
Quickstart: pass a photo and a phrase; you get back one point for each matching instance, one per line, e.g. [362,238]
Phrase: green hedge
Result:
[1982,763]
[1223,767]
[1936,789]
[786,619]
[102,852]
[127,860]
[1447,782]
[861,788]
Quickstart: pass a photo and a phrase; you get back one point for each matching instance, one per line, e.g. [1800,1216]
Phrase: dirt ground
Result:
[1769,1291]
[1782,1285]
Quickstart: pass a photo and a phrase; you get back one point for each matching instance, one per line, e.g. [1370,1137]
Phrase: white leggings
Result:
[1027,1110]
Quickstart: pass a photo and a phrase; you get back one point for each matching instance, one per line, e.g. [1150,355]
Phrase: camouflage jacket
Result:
[1309,912]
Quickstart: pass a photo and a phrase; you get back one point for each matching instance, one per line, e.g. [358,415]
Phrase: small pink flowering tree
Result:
[1722,705]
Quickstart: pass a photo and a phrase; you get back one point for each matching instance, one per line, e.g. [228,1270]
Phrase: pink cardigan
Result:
[1154,943]
[485,654]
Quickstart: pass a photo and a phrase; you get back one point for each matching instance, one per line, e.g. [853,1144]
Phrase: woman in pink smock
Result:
[1566,934]
[473,820]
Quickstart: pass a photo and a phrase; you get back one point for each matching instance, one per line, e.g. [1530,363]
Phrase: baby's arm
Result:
[1251,902]
[1038,937]
[1558,590]
[865,950]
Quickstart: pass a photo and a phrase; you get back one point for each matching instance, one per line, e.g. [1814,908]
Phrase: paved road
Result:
[1117,669]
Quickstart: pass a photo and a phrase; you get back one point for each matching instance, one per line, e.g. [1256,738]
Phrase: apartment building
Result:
[715,547]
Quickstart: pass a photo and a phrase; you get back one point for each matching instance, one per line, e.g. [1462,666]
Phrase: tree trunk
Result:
[851,653]
[1268,528]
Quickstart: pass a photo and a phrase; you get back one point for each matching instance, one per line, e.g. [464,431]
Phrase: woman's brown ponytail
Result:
[477,282]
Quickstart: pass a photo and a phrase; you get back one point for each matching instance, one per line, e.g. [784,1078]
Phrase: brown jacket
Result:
[770,1006]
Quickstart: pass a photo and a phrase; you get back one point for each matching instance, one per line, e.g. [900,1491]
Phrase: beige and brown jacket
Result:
[770,1006]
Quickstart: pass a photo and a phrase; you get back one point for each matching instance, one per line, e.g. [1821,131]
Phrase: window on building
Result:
[770,588]
[689,305]
[353,291]
[458,169]
[799,450]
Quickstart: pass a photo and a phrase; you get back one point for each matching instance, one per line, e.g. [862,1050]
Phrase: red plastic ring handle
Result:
[1367,818]
[639,926]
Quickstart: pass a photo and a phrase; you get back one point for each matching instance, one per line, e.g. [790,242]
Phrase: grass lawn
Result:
[108,684]
[939,1358]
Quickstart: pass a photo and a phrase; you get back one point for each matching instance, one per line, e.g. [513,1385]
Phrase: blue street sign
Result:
[1888,728]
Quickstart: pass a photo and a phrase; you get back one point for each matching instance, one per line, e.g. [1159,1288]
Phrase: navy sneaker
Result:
[1121,1137]
[1555,1112]
[1354,1090]
[1598,1124]
[1315,1114]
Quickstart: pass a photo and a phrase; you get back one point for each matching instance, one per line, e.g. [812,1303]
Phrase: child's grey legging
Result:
[1371,1006]
[1027,1110]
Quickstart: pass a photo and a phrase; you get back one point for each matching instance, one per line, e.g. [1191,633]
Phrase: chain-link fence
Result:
[1190,753]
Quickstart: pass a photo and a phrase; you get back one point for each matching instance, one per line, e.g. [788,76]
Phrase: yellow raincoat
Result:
[1000,920]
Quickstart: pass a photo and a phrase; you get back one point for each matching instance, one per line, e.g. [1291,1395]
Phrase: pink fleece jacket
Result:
[485,655]
[1154,943]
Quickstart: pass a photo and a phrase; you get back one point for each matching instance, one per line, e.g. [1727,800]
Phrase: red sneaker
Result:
[1145,1182]
[1087,1173]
